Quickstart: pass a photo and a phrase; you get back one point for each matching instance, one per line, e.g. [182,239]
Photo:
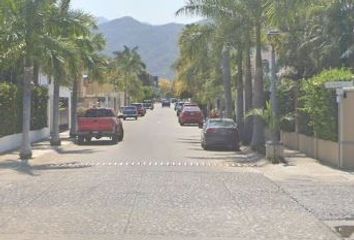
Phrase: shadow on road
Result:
[28,169]
[189,140]
[228,157]
[78,151]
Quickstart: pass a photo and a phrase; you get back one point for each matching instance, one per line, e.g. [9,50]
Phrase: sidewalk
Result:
[325,192]
[10,160]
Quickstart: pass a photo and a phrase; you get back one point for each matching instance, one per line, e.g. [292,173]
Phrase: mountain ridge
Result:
[157,44]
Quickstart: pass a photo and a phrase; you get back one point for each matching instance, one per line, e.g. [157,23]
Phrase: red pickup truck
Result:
[98,123]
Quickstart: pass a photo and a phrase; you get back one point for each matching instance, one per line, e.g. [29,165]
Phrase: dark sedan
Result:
[220,133]
[166,103]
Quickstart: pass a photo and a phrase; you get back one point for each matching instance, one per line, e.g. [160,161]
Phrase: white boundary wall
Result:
[13,142]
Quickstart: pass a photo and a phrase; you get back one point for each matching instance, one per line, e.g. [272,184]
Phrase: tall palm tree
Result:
[80,53]
[226,17]
[127,66]
[27,38]
[85,60]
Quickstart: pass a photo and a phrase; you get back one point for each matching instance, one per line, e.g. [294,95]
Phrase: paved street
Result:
[157,184]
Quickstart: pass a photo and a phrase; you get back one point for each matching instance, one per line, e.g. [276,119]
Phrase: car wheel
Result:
[121,136]
[237,148]
[115,139]
[124,119]
[80,140]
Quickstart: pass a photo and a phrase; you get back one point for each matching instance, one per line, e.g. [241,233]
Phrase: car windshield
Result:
[221,124]
[96,113]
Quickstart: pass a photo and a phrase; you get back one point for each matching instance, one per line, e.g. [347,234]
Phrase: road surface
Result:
[157,184]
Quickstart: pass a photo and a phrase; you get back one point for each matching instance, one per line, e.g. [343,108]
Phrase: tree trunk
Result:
[74,101]
[26,151]
[36,74]
[258,97]
[240,102]
[125,98]
[226,73]
[55,137]
[247,136]
[297,105]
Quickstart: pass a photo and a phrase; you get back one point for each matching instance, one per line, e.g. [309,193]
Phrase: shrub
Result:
[11,108]
[320,103]
[287,105]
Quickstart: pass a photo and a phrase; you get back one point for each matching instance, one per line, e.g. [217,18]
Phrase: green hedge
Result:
[320,103]
[11,109]
[287,105]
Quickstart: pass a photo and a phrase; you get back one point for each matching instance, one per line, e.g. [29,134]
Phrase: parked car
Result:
[130,112]
[148,104]
[185,104]
[191,115]
[166,103]
[141,109]
[178,106]
[220,132]
[98,123]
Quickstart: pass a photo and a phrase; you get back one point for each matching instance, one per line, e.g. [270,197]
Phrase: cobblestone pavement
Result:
[325,192]
[157,184]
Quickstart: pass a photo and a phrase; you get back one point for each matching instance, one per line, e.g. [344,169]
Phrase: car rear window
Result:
[99,113]
[222,124]
[129,109]
[191,109]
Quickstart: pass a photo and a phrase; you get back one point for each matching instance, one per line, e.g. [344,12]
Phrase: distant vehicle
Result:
[130,112]
[191,115]
[141,109]
[179,107]
[173,100]
[98,123]
[148,104]
[185,104]
[220,132]
[166,103]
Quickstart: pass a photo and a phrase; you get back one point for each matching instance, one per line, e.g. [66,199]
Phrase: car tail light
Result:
[211,130]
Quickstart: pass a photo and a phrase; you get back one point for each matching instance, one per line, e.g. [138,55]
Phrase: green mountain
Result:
[158,45]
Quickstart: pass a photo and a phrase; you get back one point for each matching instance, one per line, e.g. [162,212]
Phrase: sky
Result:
[155,12]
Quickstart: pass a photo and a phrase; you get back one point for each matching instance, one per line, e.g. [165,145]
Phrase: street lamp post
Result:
[276,148]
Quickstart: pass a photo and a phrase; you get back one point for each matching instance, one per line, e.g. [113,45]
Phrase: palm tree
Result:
[27,38]
[86,60]
[248,125]
[127,66]
[225,15]
[74,29]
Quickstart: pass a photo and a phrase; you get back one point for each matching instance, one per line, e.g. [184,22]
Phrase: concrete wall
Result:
[307,145]
[64,93]
[13,142]
[291,140]
[325,151]
[348,125]
[328,152]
